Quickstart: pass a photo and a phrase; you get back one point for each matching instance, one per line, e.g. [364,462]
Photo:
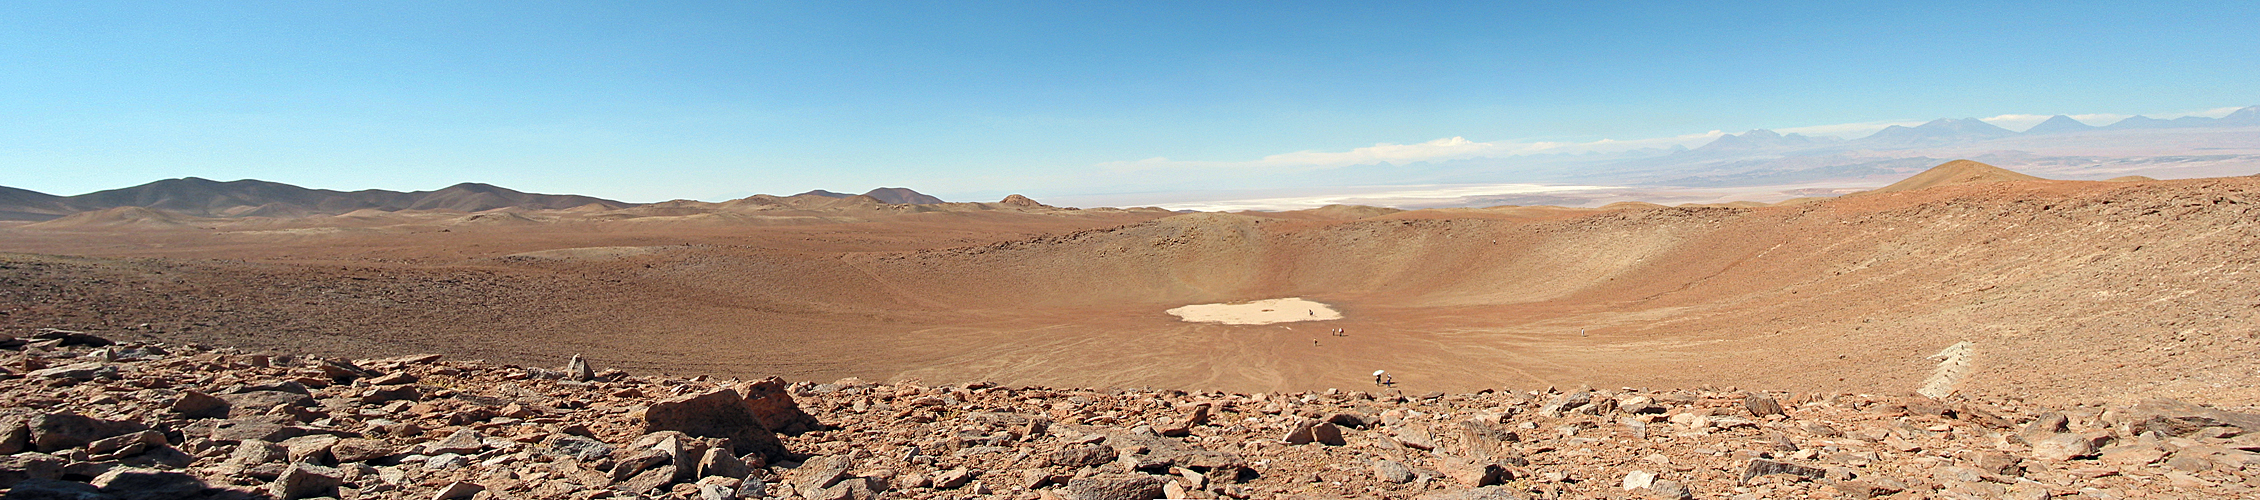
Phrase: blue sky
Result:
[649,101]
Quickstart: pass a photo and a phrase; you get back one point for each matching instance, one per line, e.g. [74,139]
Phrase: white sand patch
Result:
[1261,312]
[1952,364]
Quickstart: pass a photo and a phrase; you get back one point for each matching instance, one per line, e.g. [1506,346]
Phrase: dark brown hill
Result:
[25,204]
[902,196]
[208,198]
[475,197]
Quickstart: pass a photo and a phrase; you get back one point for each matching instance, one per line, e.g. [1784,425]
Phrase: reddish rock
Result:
[718,413]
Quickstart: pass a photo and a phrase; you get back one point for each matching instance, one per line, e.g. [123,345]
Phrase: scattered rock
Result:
[506,432]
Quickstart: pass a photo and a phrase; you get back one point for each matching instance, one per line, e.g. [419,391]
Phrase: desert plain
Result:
[2066,292]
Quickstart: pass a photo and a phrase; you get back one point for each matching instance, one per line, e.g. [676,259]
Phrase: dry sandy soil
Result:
[2068,291]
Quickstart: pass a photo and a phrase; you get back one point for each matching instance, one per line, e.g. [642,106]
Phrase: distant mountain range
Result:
[253,198]
[1946,131]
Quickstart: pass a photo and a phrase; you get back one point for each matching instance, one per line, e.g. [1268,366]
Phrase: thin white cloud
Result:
[1389,196]
[1460,148]
[2210,113]
[2100,119]
[2016,121]
[1846,130]
[1445,149]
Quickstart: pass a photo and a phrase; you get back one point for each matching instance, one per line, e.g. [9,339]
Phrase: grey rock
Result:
[1761,467]
[193,404]
[716,492]
[631,465]
[133,483]
[314,449]
[458,490]
[306,481]
[52,489]
[387,394]
[578,370]
[59,431]
[255,452]
[822,472]
[1301,432]
[2063,446]
[1472,473]
[1115,487]
[462,441]
[446,461]
[15,435]
[1083,455]
[262,428]
[80,371]
[1483,493]
[1390,471]
[580,448]
[1761,406]
[361,450]
[254,403]
[952,479]
[648,480]
[126,444]
[1670,490]
[719,462]
[753,487]
[70,338]
[344,370]
[2046,424]
[27,466]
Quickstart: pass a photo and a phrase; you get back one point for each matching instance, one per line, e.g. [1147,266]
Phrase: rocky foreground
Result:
[86,418]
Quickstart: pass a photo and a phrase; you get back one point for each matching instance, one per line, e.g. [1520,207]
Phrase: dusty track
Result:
[2069,291]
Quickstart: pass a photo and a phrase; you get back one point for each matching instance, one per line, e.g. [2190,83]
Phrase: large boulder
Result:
[1115,487]
[255,403]
[61,431]
[770,402]
[134,483]
[718,413]
[28,466]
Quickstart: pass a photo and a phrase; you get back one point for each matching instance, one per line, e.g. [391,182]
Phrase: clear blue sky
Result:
[646,101]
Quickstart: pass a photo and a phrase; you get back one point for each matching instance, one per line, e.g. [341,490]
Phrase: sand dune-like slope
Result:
[2065,290]
[1955,172]
[118,218]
